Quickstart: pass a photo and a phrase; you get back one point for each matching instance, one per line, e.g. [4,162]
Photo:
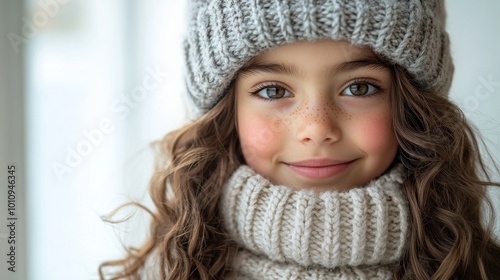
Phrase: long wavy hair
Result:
[446,180]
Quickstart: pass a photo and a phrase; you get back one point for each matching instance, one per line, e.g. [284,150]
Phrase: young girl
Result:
[324,147]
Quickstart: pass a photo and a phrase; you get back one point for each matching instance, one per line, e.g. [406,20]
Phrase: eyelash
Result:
[378,87]
[262,86]
[279,85]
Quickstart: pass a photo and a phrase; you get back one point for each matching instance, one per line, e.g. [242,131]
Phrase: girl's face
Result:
[316,115]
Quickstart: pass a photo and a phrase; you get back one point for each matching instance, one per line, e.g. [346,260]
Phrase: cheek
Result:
[261,136]
[378,135]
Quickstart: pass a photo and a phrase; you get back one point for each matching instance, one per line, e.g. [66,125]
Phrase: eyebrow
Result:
[281,68]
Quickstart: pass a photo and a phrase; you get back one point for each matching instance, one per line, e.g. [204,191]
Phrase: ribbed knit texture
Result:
[225,34]
[299,234]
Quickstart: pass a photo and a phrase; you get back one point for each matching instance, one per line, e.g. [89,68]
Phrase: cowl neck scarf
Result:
[284,233]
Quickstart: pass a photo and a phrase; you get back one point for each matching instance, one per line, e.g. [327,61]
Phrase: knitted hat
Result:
[223,35]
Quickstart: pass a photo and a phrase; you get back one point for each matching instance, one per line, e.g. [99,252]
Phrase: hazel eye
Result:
[273,92]
[359,89]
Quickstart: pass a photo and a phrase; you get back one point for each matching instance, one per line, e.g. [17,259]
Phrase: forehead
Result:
[316,51]
[324,58]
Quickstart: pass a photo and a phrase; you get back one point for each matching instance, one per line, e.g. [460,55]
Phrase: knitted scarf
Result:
[284,233]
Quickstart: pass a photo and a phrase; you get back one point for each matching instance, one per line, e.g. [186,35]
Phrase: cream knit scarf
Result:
[299,234]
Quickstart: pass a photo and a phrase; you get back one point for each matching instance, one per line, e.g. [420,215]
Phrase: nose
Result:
[318,125]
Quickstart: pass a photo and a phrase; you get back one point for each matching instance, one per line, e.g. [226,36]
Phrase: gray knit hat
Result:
[223,35]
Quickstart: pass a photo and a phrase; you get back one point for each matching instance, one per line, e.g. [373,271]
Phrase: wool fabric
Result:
[284,233]
[223,35]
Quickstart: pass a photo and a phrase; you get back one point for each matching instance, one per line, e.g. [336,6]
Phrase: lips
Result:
[318,168]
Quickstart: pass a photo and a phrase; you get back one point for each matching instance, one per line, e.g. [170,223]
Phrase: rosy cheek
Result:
[378,135]
[260,137]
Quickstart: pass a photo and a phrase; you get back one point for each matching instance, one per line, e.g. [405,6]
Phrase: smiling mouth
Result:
[319,168]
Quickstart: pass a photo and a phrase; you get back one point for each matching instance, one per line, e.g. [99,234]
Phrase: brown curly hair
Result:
[445,186]
[446,180]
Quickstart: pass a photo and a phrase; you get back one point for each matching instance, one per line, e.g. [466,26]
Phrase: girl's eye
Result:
[273,92]
[360,89]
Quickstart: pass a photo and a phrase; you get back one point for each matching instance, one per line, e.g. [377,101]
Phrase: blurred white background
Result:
[91,83]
